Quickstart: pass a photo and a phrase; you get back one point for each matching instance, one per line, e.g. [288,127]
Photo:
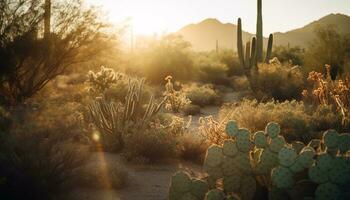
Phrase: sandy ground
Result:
[149,182]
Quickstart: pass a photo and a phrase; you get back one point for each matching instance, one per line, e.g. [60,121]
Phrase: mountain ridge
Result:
[203,35]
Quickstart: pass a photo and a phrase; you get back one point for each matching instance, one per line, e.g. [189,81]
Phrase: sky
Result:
[165,16]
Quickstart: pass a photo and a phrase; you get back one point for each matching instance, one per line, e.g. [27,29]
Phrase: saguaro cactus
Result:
[259,32]
[47,19]
[254,49]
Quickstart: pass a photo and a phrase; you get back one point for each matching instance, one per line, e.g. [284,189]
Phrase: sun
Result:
[142,18]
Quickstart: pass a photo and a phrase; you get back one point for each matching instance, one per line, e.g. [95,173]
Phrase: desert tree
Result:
[329,47]
[41,39]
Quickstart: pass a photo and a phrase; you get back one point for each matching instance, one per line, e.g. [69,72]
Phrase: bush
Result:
[156,143]
[291,115]
[202,95]
[191,109]
[170,56]
[192,148]
[151,145]
[281,82]
[37,163]
[211,71]
[298,122]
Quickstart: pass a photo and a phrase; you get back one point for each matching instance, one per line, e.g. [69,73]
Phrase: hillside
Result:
[204,35]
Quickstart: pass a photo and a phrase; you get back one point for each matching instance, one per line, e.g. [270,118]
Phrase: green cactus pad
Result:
[267,161]
[231,128]
[273,129]
[243,142]
[287,156]
[181,182]
[325,161]
[199,188]
[330,138]
[260,139]
[327,191]
[229,167]
[339,173]
[214,156]
[230,148]
[317,175]
[214,172]
[306,156]
[248,187]
[174,195]
[298,146]
[215,194]
[344,143]
[282,177]
[277,143]
[243,162]
[231,183]
[297,166]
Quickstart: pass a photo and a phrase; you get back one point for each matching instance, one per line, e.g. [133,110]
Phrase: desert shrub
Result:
[281,82]
[157,143]
[326,91]
[192,148]
[175,100]
[291,115]
[169,56]
[114,120]
[37,163]
[325,117]
[211,71]
[230,60]
[191,109]
[298,121]
[202,95]
[102,80]
[286,54]
[211,131]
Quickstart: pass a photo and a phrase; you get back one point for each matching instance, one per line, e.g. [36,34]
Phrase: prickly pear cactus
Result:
[245,161]
[182,187]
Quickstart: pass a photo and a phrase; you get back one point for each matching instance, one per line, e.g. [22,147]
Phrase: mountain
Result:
[203,36]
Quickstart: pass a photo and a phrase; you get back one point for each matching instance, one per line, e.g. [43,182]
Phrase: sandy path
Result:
[146,182]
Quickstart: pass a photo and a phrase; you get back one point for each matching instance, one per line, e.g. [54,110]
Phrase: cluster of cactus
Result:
[288,171]
[102,80]
[253,50]
[331,170]
[252,54]
[112,119]
[175,100]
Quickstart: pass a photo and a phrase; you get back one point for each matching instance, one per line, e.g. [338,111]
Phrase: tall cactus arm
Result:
[253,61]
[259,32]
[269,49]
[240,42]
[247,55]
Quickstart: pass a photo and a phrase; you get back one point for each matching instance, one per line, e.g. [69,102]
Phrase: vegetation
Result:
[68,123]
[265,165]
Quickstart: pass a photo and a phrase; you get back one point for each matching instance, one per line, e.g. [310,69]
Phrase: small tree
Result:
[329,47]
[31,55]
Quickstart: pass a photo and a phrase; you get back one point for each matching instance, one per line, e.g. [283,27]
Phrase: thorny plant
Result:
[329,92]
[104,79]
[211,130]
[175,100]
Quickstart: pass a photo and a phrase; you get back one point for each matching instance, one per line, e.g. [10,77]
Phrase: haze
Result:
[162,16]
